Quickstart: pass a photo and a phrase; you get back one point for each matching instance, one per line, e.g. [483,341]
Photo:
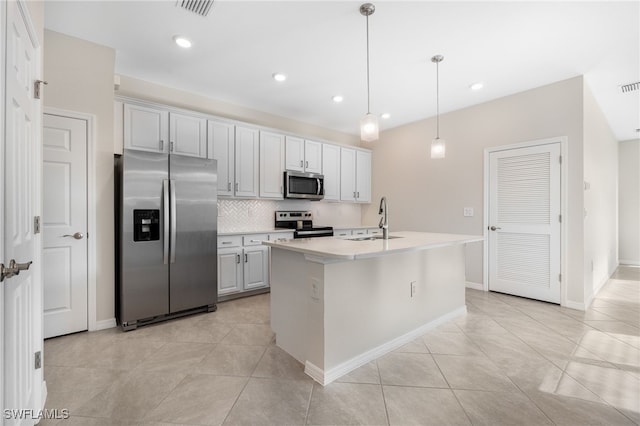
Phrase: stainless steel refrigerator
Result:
[166,214]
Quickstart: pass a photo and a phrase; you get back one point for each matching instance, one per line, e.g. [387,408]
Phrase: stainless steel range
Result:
[302,222]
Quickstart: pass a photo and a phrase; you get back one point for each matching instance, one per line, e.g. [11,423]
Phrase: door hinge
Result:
[36,224]
[560,277]
[560,218]
[38,360]
[36,88]
[560,159]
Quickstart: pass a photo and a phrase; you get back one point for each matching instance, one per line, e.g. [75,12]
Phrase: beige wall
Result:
[600,197]
[429,195]
[80,76]
[141,89]
[629,202]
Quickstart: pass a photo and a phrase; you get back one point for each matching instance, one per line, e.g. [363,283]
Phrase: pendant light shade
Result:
[369,126]
[438,146]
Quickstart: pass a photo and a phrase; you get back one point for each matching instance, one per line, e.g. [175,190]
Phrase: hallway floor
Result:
[509,361]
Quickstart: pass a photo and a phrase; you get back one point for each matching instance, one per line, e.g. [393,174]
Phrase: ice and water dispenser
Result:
[146,225]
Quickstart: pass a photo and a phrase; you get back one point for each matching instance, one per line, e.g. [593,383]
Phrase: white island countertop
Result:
[352,249]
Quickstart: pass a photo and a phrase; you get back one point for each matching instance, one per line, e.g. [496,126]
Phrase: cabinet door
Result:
[188,135]
[294,154]
[331,171]
[146,128]
[220,144]
[230,270]
[256,267]
[247,162]
[271,165]
[347,174]
[363,176]
[312,157]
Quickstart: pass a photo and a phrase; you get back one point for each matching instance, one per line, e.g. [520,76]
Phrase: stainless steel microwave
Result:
[305,186]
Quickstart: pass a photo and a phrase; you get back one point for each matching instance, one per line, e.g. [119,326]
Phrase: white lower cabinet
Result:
[243,263]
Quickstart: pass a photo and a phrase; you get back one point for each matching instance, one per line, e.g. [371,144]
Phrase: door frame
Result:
[3,21]
[92,321]
[564,181]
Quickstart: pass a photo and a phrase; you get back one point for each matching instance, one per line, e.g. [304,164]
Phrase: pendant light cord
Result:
[368,90]
[438,100]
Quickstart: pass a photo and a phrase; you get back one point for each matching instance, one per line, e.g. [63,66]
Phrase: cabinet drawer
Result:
[342,232]
[359,232]
[254,239]
[374,231]
[281,236]
[229,241]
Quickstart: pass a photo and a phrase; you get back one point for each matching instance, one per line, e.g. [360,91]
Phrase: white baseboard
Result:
[475,286]
[104,324]
[574,305]
[324,377]
[628,262]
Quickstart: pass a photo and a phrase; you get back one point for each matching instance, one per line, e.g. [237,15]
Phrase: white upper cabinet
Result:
[363,176]
[294,154]
[303,155]
[246,162]
[221,147]
[355,175]
[188,135]
[331,171]
[146,128]
[272,159]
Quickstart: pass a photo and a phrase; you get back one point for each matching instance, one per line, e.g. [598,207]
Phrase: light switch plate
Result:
[468,212]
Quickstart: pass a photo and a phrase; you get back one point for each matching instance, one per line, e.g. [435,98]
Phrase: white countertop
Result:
[347,249]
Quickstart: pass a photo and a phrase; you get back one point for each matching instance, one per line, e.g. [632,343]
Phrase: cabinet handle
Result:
[256,241]
[301,165]
[226,242]
[171,146]
[236,186]
[237,258]
[354,194]
[306,164]
[228,186]
[161,145]
[245,258]
[358,196]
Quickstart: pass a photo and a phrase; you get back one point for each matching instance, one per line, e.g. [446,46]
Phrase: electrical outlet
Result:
[468,212]
[315,289]
[414,288]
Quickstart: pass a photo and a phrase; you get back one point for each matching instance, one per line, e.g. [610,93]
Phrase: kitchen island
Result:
[337,304]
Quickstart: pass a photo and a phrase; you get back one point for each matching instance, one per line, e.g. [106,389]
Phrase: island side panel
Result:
[368,302]
[297,311]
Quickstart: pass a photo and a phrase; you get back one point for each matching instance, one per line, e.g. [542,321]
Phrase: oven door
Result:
[307,186]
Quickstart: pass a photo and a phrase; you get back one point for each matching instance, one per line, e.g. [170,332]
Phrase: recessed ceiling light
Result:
[338,98]
[476,86]
[385,115]
[182,41]
[279,77]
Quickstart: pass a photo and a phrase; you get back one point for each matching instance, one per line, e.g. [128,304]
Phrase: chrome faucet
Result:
[384,221]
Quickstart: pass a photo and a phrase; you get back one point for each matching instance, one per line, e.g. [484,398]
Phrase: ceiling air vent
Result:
[199,7]
[631,87]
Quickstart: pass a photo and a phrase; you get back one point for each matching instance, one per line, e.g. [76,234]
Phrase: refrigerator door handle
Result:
[172,196]
[165,220]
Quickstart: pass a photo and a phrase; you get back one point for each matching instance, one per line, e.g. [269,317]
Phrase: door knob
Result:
[14,268]
[77,235]
[493,228]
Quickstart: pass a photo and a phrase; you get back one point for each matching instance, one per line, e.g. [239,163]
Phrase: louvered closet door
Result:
[524,221]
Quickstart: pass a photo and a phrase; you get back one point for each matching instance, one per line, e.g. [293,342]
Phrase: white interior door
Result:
[22,293]
[64,223]
[524,222]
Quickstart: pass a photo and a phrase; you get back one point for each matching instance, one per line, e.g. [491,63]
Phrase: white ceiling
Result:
[509,46]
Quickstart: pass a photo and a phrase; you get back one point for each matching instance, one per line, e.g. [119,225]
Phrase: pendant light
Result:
[438,146]
[369,126]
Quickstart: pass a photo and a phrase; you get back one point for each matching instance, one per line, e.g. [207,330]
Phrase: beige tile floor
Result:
[509,361]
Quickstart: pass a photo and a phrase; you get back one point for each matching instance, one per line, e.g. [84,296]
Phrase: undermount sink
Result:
[371,238]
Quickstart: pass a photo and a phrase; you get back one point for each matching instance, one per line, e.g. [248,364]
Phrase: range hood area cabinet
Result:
[251,159]
[303,155]
[151,129]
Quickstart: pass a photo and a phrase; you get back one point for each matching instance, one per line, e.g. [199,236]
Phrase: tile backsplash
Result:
[258,215]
